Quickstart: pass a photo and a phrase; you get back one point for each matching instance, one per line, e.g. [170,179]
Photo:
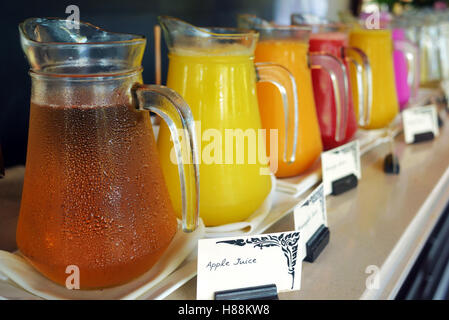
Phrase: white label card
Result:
[311,214]
[340,162]
[242,262]
[418,120]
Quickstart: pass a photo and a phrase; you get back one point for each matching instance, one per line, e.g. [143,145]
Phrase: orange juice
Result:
[291,54]
[221,92]
[378,46]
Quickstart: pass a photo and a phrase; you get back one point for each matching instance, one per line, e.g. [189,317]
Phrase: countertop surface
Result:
[381,225]
[376,229]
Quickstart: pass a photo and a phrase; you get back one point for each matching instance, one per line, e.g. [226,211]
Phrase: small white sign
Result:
[242,262]
[340,162]
[311,214]
[419,120]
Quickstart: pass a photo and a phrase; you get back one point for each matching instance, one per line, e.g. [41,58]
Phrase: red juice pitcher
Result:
[332,40]
[336,44]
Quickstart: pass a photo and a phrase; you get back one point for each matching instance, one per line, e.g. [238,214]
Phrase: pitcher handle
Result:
[285,83]
[172,108]
[364,83]
[411,53]
[337,73]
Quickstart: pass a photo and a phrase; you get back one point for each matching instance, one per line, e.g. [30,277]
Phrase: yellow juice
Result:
[221,92]
[378,46]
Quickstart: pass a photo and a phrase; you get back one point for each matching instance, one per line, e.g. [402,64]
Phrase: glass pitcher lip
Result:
[86,77]
[328,27]
[283,28]
[373,32]
[268,26]
[137,38]
[230,33]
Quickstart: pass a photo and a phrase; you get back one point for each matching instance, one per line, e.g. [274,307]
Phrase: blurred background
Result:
[132,16]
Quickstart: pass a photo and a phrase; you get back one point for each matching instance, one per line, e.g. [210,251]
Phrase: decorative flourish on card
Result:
[288,242]
[316,196]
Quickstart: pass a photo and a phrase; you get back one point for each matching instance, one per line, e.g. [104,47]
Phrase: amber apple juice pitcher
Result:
[94,194]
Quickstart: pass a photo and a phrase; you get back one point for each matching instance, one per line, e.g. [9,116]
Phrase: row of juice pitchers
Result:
[101,193]
[428,29]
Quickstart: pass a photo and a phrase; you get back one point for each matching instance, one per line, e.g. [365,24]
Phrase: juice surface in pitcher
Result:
[89,196]
[220,90]
[333,43]
[292,55]
[378,46]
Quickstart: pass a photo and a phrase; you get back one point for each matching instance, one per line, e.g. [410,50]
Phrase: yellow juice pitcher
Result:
[383,101]
[214,71]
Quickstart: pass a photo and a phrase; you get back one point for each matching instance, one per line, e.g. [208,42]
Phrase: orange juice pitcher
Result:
[214,71]
[94,194]
[289,47]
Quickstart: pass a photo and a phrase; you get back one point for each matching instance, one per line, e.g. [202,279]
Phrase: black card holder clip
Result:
[440,121]
[344,184]
[265,292]
[425,136]
[316,244]
[391,164]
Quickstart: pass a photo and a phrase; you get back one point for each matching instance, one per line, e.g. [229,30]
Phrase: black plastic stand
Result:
[440,121]
[266,292]
[317,243]
[344,184]
[391,164]
[421,137]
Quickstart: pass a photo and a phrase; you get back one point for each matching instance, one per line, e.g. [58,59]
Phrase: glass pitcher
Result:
[289,46]
[444,47]
[94,194]
[214,71]
[442,21]
[406,67]
[422,28]
[378,47]
[332,38]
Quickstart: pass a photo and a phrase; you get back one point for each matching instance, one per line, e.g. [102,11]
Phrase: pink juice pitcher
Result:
[406,67]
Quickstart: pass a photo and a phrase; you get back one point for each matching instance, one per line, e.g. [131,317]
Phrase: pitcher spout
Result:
[184,37]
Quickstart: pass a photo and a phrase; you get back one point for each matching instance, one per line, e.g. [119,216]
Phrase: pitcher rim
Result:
[137,37]
[341,27]
[275,27]
[87,76]
[240,34]
[283,28]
